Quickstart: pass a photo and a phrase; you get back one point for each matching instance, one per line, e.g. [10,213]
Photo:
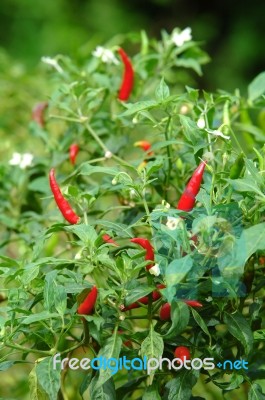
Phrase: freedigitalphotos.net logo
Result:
[145,364]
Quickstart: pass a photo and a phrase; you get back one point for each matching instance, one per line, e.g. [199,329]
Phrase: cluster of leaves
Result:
[213,254]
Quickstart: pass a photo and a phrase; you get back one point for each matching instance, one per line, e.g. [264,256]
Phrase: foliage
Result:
[213,254]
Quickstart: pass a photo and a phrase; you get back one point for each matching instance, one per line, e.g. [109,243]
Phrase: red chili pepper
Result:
[187,200]
[61,202]
[127,343]
[182,353]
[149,255]
[108,239]
[143,300]
[87,306]
[165,312]
[73,151]
[38,113]
[156,294]
[193,303]
[128,76]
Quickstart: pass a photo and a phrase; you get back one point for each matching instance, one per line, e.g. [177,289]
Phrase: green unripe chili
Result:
[237,167]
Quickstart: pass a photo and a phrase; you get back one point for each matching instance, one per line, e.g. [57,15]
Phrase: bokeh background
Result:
[232,31]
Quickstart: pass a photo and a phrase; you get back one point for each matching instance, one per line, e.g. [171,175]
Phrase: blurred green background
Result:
[232,31]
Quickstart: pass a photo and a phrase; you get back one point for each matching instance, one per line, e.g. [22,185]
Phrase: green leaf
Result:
[88,169]
[178,270]
[31,271]
[6,365]
[44,315]
[40,185]
[245,185]
[180,316]
[136,293]
[255,392]
[106,391]
[190,129]
[252,239]
[200,322]
[118,228]
[36,391]
[151,393]
[259,335]
[111,349]
[162,91]
[240,329]
[48,377]
[49,291]
[204,198]
[86,233]
[152,347]
[234,382]
[136,107]
[257,87]
[254,130]
[180,387]
[189,63]
[60,299]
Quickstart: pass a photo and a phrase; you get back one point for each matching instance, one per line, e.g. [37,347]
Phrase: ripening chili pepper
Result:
[38,113]
[156,294]
[128,76]
[61,202]
[193,303]
[187,200]
[149,255]
[87,306]
[73,151]
[237,167]
[145,146]
[182,353]
[108,239]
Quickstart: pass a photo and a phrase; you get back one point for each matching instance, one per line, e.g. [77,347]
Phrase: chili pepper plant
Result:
[145,242]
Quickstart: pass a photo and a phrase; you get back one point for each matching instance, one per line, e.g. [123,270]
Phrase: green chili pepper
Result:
[237,167]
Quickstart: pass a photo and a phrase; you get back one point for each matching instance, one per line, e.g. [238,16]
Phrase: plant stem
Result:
[96,137]
[28,350]
[169,156]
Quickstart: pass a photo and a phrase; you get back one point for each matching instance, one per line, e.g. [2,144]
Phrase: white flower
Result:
[108,154]
[172,223]
[106,55]
[201,122]
[22,160]
[78,255]
[53,63]
[155,270]
[114,181]
[216,132]
[179,38]
[208,299]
